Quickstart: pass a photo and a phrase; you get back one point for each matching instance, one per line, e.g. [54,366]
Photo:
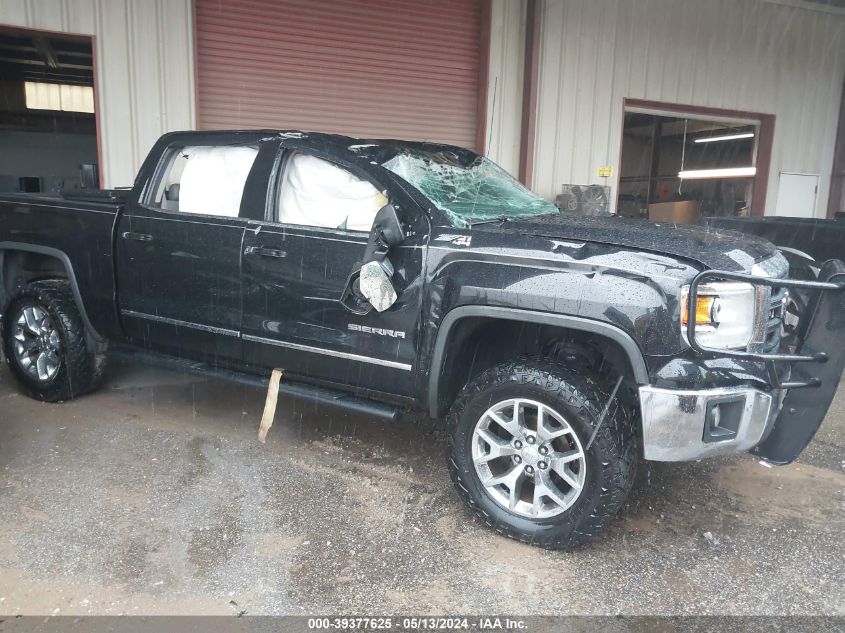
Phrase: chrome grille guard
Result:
[817,362]
[825,293]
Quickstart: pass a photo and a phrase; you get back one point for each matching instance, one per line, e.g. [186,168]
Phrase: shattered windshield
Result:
[468,191]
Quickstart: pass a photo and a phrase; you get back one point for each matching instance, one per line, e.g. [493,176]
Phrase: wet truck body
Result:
[702,337]
[820,239]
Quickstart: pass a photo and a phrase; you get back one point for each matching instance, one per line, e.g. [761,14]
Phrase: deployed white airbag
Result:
[315,192]
[214,178]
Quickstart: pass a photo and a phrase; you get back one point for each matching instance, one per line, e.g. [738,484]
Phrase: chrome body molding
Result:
[674,422]
[177,322]
[269,341]
[329,352]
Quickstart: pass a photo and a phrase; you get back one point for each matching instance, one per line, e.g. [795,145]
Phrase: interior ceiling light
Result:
[726,137]
[60,97]
[725,172]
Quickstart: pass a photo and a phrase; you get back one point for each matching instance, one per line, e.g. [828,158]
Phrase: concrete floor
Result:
[153,496]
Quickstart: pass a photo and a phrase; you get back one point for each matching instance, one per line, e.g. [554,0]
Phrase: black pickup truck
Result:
[388,275]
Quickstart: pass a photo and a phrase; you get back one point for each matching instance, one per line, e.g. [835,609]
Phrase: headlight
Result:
[725,314]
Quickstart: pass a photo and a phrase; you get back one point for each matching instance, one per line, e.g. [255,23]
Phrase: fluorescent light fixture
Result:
[62,97]
[727,137]
[725,172]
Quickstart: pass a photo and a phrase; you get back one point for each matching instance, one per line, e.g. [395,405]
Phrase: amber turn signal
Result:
[703,310]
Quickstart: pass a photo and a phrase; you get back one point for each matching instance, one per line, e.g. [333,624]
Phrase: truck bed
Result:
[74,232]
[110,197]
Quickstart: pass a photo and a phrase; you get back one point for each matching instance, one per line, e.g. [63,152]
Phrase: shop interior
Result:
[680,169]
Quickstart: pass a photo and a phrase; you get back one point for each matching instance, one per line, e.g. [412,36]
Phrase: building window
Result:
[679,167]
[64,97]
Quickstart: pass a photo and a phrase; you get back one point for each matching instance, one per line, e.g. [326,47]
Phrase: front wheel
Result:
[44,343]
[524,455]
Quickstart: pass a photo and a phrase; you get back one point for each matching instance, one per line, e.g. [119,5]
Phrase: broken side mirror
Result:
[369,286]
[376,286]
[386,233]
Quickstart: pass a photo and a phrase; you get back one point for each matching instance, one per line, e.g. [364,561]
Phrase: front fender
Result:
[606,330]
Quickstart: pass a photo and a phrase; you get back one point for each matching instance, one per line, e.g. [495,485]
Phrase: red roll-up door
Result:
[368,68]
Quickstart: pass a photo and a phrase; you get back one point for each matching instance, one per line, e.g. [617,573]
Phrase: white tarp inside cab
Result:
[213,179]
[317,193]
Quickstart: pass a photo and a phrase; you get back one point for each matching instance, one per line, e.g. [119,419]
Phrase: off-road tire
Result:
[611,458]
[80,370]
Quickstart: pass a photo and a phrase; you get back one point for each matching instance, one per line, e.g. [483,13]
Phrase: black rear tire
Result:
[610,460]
[80,370]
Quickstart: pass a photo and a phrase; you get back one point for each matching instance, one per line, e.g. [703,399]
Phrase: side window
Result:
[315,192]
[207,180]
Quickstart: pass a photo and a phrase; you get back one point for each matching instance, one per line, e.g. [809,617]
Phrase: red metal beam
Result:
[483,76]
[529,91]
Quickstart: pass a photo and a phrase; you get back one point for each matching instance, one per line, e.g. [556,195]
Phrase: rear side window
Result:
[205,180]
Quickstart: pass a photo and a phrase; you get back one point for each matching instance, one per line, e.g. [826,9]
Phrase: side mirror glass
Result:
[375,285]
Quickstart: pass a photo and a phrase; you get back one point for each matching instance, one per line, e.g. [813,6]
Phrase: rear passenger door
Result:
[178,253]
[295,268]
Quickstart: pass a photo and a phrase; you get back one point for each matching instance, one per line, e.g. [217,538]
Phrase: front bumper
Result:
[681,425]
[777,422]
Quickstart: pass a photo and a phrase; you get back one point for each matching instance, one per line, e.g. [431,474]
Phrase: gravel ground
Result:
[153,496]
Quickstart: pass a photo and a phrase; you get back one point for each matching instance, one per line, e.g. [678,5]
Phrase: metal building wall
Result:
[736,54]
[144,67]
[504,82]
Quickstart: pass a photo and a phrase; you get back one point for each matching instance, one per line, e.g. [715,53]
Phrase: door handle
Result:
[264,252]
[138,237]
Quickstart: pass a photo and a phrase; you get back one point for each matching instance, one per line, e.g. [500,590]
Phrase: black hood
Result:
[713,248]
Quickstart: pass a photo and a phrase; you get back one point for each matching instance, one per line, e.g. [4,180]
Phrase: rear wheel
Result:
[524,455]
[44,343]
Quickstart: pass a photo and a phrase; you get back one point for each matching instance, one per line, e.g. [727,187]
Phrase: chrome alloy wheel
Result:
[36,343]
[528,458]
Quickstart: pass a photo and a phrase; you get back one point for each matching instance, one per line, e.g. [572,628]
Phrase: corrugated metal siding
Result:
[395,68]
[504,86]
[734,54]
[144,57]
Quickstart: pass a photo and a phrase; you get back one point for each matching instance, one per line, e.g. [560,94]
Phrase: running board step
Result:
[301,391]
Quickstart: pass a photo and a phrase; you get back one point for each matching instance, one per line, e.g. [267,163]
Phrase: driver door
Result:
[295,268]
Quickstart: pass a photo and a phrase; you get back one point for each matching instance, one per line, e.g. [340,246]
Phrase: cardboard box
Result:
[682,212]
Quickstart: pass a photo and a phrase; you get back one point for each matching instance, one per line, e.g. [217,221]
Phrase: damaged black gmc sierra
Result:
[390,275]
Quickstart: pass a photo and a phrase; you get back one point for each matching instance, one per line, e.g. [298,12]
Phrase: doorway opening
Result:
[681,163]
[48,127]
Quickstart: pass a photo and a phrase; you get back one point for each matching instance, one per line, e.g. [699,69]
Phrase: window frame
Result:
[165,164]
